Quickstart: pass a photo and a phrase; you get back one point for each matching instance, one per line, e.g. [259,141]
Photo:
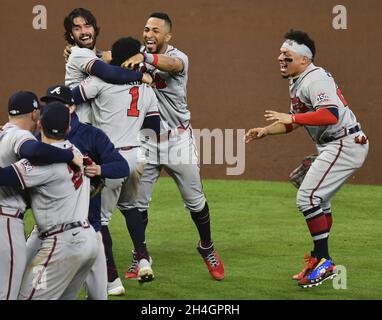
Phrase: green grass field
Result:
[262,239]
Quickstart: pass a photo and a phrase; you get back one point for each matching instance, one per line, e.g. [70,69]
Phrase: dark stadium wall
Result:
[234,74]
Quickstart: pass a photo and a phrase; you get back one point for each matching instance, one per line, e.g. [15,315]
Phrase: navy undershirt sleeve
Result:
[9,178]
[44,153]
[114,74]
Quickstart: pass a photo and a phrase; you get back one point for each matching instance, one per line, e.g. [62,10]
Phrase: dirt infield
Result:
[234,74]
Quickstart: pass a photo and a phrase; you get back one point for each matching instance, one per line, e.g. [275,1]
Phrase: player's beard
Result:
[89,46]
[158,48]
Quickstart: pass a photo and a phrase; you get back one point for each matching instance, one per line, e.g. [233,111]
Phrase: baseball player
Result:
[169,68]
[81,31]
[318,105]
[107,163]
[17,141]
[59,200]
[121,111]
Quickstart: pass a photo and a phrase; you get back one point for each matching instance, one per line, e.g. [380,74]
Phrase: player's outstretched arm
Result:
[114,74]
[160,61]
[321,117]
[273,129]
[44,153]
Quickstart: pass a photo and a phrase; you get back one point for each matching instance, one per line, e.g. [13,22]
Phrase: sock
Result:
[145,218]
[318,227]
[112,272]
[329,220]
[202,223]
[136,229]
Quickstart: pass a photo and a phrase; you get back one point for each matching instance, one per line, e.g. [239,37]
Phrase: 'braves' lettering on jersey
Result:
[11,138]
[58,194]
[77,69]
[119,110]
[315,88]
[171,91]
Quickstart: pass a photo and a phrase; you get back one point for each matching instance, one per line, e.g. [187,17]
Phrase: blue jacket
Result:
[94,142]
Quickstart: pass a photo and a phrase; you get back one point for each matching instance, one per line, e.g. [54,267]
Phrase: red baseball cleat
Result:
[213,262]
[311,263]
[132,272]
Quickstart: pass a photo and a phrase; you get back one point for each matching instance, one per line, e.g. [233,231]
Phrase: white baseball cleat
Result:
[115,288]
[145,273]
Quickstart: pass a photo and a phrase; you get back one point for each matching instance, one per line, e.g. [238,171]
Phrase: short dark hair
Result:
[301,38]
[79,12]
[163,16]
[123,49]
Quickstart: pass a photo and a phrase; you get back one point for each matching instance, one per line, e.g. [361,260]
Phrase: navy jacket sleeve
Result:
[114,74]
[114,166]
[9,178]
[44,153]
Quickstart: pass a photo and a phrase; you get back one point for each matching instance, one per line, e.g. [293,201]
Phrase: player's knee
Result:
[195,204]
[303,201]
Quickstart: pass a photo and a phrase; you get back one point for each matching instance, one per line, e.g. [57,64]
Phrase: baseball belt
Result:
[64,227]
[12,213]
[347,132]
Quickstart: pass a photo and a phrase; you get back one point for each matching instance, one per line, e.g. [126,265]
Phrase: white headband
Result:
[300,49]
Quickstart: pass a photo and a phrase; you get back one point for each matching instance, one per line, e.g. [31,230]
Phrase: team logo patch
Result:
[26,165]
[298,105]
[322,97]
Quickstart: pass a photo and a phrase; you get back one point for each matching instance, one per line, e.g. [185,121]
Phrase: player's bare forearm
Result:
[169,64]
[273,129]
[159,61]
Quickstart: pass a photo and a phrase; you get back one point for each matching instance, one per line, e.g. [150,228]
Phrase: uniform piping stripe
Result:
[310,211]
[44,268]
[20,176]
[321,236]
[11,266]
[150,114]
[314,215]
[90,65]
[308,73]
[325,174]
[82,91]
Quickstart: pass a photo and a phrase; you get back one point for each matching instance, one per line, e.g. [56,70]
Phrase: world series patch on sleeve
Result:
[298,174]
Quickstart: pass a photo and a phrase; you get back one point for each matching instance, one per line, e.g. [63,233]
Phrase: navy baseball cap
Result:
[59,93]
[55,119]
[22,102]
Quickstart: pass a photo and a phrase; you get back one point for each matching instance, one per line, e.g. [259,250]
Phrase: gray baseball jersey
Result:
[342,147]
[77,69]
[315,89]
[12,203]
[178,153]
[59,196]
[119,110]
[171,91]
[11,138]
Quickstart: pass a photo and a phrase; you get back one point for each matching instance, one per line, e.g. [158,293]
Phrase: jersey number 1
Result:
[133,110]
